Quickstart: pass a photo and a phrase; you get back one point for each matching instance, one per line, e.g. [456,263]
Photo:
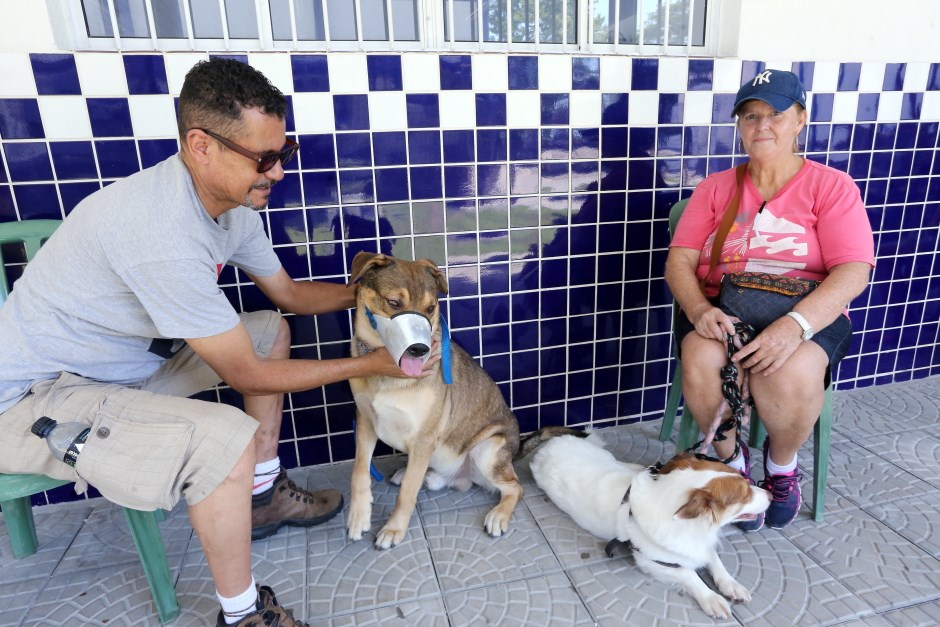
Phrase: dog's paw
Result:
[497,522]
[714,605]
[389,537]
[734,591]
[358,521]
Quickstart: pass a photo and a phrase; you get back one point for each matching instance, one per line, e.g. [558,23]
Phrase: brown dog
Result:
[455,434]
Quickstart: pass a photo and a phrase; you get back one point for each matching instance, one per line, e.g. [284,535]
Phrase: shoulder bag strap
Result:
[726,221]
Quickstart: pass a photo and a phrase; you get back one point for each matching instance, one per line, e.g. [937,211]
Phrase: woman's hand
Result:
[383,365]
[768,351]
[712,323]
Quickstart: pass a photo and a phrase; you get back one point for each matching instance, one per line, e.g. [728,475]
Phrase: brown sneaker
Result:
[269,613]
[286,504]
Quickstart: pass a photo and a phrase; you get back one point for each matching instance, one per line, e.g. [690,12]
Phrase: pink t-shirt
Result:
[816,221]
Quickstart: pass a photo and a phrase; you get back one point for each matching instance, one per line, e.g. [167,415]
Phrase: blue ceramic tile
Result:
[885,136]
[554,274]
[423,110]
[585,72]
[241,58]
[933,78]
[640,174]
[911,104]
[461,281]
[722,105]
[394,220]
[391,184]
[28,161]
[722,140]
[523,72]
[614,108]
[927,134]
[37,202]
[523,144]
[491,145]
[585,143]
[863,137]
[321,188]
[73,160]
[323,224]
[492,180]
[285,226]
[384,72]
[351,112]
[462,249]
[868,107]
[153,151]
[642,142]
[424,147]
[459,181]
[821,110]
[818,138]
[859,164]
[805,70]
[117,158]
[907,135]
[841,138]
[923,161]
[353,150]
[849,74]
[20,119]
[750,69]
[316,152]
[524,178]
[695,140]
[491,109]
[645,74]
[458,146]
[146,74]
[287,193]
[55,74]
[74,193]
[456,72]
[358,221]
[583,239]
[613,143]
[390,148]
[894,76]
[425,182]
[701,73]
[555,143]
[356,186]
[554,109]
[554,178]
[671,108]
[110,117]
[901,163]
[310,72]
[613,175]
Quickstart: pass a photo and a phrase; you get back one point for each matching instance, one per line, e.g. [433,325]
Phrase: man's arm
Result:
[305,297]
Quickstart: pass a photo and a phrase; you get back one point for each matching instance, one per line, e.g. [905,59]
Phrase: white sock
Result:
[738,462]
[774,469]
[238,607]
[265,474]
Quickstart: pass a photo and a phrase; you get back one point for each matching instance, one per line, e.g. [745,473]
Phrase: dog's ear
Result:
[701,503]
[365,260]
[435,272]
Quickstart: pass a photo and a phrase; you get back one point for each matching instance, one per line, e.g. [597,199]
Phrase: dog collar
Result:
[627,544]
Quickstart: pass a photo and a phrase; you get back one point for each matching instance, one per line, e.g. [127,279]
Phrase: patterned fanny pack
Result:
[786,285]
[759,298]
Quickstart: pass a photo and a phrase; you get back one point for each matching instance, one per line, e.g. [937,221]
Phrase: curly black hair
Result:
[216,91]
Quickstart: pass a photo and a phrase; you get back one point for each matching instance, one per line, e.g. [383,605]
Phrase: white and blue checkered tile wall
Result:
[541,183]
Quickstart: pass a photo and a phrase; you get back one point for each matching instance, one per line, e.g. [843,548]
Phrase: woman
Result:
[796,218]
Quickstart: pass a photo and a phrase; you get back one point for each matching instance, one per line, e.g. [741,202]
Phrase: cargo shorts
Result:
[148,444]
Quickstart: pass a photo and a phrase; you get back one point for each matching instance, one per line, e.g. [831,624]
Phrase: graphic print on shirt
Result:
[776,244]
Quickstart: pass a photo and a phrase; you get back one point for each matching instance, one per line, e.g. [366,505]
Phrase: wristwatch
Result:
[804,324]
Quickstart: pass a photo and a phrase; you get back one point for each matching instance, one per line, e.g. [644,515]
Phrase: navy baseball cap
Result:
[778,88]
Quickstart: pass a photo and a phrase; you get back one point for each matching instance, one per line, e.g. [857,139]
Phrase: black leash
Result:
[732,393]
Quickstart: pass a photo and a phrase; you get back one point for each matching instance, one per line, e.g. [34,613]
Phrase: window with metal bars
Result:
[634,26]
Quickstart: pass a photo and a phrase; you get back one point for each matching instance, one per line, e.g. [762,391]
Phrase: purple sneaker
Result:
[785,495]
[749,525]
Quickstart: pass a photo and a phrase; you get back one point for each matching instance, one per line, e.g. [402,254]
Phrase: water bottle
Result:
[65,440]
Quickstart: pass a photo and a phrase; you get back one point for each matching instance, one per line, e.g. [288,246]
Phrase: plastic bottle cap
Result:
[43,426]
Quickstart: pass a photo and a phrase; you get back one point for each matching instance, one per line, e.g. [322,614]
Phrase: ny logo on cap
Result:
[763,77]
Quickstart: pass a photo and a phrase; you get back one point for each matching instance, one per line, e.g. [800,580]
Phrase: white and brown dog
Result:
[455,434]
[670,517]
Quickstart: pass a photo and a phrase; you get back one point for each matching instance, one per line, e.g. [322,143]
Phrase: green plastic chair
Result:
[16,490]
[689,431]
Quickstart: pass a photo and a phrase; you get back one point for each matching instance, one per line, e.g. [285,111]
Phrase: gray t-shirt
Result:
[132,269]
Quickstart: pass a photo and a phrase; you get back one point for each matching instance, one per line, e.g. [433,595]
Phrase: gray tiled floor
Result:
[874,561]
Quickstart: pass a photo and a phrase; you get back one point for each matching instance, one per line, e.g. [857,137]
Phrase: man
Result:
[91,332]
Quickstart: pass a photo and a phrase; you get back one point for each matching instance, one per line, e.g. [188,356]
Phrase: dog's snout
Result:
[417,350]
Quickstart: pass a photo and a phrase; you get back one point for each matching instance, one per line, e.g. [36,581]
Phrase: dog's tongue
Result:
[411,365]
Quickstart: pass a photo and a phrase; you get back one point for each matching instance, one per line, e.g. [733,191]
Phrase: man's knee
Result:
[281,348]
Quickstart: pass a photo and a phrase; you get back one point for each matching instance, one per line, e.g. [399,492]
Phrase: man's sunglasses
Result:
[265,161]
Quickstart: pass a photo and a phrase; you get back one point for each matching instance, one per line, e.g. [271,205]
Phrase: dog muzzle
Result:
[407,336]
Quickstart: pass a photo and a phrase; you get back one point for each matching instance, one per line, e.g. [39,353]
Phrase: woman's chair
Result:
[16,490]
[689,431]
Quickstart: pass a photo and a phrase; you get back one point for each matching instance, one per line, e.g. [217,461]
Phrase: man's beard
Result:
[252,205]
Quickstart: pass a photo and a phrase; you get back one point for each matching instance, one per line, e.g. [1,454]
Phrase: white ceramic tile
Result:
[825,76]
[491,72]
[153,116]
[673,74]
[421,72]
[313,112]
[726,76]
[387,111]
[458,109]
[178,65]
[616,72]
[585,108]
[523,109]
[349,73]
[916,76]
[872,77]
[276,67]
[101,74]
[889,106]
[554,72]
[644,108]
[845,106]
[698,107]
[17,73]
[64,117]
[931,106]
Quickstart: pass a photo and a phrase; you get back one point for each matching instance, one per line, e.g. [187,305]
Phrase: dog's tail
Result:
[529,442]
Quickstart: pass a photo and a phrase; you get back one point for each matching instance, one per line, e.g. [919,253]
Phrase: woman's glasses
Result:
[265,161]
